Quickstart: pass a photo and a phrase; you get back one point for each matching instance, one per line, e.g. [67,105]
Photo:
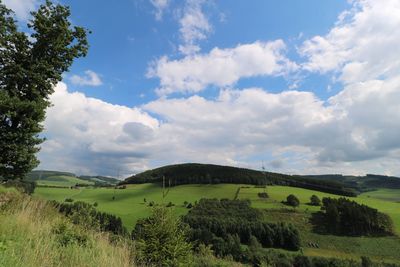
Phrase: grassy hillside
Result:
[129,203]
[66,179]
[130,206]
[32,233]
[194,173]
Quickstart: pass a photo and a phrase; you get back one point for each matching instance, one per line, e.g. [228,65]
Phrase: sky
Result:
[304,87]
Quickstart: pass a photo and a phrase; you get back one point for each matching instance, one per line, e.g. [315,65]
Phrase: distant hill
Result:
[361,183]
[195,173]
[100,179]
[56,178]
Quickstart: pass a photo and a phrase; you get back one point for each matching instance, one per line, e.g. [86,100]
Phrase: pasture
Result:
[62,181]
[131,204]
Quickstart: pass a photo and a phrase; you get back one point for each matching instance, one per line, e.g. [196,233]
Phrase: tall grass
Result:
[32,233]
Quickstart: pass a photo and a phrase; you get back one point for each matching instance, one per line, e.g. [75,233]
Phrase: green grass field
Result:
[62,181]
[130,206]
[277,194]
[129,203]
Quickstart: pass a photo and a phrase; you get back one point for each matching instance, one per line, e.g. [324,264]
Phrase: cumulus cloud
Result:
[160,6]
[194,26]
[90,78]
[88,135]
[221,67]
[343,134]
[363,44]
[22,8]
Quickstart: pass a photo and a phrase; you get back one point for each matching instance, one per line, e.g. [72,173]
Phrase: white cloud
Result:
[88,135]
[160,6]
[363,45]
[22,8]
[90,78]
[194,26]
[355,131]
[221,67]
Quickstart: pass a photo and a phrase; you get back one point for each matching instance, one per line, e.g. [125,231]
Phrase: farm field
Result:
[277,194]
[62,180]
[130,206]
[129,203]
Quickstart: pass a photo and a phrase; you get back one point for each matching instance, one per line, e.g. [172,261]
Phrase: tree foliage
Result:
[162,239]
[315,201]
[292,200]
[226,224]
[346,217]
[30,67]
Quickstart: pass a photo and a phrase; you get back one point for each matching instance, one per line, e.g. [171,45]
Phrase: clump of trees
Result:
[263,195]
[86,214]
[346,217]
[227,224]
[315,201]
[292,200]
[30,67]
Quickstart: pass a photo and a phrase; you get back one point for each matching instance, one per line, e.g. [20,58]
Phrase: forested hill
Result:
[195,173]
[361,183]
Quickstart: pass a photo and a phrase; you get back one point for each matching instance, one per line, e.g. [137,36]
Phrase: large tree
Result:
[30,66]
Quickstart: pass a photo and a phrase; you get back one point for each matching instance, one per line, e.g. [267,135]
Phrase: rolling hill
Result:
[67,179]
[195,173]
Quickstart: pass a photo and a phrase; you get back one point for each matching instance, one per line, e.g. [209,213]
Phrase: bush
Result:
[66,235]
[292,200]
[27,187]
[69,200]
[263,195]
[315,201]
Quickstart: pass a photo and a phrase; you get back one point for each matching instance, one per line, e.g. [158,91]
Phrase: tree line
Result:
[345,217]
[193,173]
[86,214]
[226,224]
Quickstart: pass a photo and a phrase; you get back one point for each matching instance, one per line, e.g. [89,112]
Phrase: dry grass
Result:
[29,237]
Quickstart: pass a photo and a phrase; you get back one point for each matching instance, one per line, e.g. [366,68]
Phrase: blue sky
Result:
[123,45]
[303,86]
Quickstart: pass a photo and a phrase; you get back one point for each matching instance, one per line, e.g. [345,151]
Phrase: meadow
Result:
[131,204]
[62,181]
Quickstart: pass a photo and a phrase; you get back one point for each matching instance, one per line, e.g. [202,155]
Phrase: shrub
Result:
[66,235]
[292,200]
[27,187]
[263,195]
[315,201]
[68,200]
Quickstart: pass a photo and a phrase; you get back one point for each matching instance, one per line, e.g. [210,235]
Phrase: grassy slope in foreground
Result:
[28,238]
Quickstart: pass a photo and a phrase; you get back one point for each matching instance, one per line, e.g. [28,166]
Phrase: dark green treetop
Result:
[30,67]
